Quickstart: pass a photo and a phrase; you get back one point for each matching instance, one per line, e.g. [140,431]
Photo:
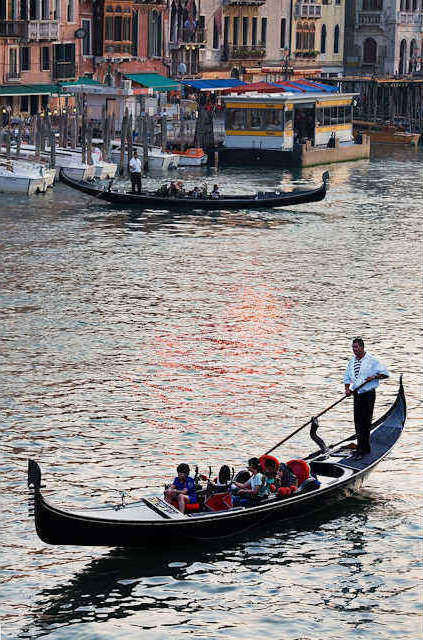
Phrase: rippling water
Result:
[132,343]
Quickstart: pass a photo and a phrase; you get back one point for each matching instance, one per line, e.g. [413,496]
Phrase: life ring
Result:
[265,457]
[300,469]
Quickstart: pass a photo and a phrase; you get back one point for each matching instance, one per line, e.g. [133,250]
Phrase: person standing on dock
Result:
[135,172]
[363,368]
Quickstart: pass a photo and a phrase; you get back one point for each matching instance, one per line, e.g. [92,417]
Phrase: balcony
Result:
[409,18]
[64,70]
[246,52]
[369,19]
[42,30]
[304,10]
[12,29]
[243,3]
[189,37]
[13,76]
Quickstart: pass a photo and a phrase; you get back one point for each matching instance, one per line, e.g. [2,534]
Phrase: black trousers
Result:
[136,181]
[364,404]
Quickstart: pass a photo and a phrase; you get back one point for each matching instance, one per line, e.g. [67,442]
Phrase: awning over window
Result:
[30,89]
[83,81]
[153,81]
[213,85]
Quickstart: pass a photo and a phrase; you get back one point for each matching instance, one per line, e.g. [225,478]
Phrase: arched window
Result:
[323,39]
[369,51]
[173,23]
[412,64]
[407,5]
[336,40]
[305,36]
[155,33]
[403,55]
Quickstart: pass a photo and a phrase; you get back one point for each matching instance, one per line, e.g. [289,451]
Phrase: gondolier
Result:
[135,172]
[363,368]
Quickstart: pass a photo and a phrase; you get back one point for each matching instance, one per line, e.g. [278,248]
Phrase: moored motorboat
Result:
[22,177]
[335,475]
[157,159]
[152,200]
[192,157]
[387,133]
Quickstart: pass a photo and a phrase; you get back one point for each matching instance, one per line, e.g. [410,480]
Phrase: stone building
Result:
[384,36]
[38,49]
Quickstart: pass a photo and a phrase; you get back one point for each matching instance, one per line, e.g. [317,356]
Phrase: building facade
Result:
[384,37]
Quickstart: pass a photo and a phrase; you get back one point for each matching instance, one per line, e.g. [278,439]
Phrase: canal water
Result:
[132,343]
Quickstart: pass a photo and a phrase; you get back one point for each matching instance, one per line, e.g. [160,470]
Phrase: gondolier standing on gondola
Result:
[363,368]
[135,172]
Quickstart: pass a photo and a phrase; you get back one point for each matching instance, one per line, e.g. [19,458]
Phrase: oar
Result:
[309,421]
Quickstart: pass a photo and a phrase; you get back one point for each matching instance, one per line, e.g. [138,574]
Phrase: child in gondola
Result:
[182,490]
[286,482]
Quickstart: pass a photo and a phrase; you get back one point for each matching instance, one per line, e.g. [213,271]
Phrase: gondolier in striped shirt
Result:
[135,172]
[363,368]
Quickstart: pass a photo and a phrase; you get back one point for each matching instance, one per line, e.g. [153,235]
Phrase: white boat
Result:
[69,160]
[193,157]
[103,170]
[158,160]
[17,178]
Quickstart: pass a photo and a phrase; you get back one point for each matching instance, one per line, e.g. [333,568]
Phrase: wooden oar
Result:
[309,421]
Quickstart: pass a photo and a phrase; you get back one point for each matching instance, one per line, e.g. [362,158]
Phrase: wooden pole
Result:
[124,126]
[145,141]
[19,141]
[52,150]
[129,141]
[7,142]
[37,136]
[163,127]
[89,144]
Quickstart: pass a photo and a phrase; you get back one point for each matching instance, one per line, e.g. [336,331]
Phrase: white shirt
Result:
[369,366]
[256,482]
[135,165]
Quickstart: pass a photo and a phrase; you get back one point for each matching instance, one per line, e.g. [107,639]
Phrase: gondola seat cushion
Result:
[190,506]
[300,469]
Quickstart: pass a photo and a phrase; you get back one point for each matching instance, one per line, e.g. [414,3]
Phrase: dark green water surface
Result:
[132,343]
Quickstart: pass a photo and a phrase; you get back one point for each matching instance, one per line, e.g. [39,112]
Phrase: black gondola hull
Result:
[56,526]
[151,201]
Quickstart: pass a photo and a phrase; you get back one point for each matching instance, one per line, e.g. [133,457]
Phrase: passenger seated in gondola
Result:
[163,191]
[286,482]
[195,193]
[173,190]
[215,194]
[182,490]
[204,191]
[254,489]
[269,473]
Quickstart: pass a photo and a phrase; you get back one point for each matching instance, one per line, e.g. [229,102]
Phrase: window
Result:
[305,36]
[254,32]
[288,120]
[336,40]
[70,11]
[244,31]
[226,31]
[319,117]
[369,51]
[154,33]
[3,9]
[45,10]
[45,58]
[323,39]
[255,119]
[86,42]
[109,29]
[235,31]
[23,10]
[25,59]
[263,31]
[13,63]
[283,33]
[215,34]
[135,26]
[235,119]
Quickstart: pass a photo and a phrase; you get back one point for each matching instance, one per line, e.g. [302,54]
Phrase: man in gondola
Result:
[363,369]
[135,172]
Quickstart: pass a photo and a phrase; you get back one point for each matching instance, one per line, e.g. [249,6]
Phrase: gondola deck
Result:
[153,521]
[150,200]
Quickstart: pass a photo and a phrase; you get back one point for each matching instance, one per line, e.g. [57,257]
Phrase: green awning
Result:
[153,81]
[87,81]
[29,89]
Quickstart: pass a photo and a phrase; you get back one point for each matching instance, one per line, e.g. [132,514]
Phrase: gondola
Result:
[152,521]
[150,200]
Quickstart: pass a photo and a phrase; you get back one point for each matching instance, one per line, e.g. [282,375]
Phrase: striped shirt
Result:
[357,365]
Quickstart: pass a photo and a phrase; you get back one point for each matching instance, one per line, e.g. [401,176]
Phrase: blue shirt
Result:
[188,485]
[369,366]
